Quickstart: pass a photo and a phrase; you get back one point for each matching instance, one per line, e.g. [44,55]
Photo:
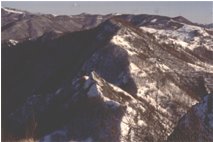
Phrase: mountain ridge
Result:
[112,81]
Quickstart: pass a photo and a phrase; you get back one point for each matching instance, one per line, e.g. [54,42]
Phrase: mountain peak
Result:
[182,20]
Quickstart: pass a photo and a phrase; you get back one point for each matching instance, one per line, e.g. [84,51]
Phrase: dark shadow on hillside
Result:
[90,119]
[112,64]
[40,67]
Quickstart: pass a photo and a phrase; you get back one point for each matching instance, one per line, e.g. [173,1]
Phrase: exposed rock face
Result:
[197,124]
[119,81]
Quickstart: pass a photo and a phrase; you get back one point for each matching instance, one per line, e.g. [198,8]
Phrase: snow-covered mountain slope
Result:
[115,82]
[178,31]
[197,124]
[157,77]
[187,36]
[190,39]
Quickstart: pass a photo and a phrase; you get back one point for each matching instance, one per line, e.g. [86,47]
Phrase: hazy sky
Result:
[200,12]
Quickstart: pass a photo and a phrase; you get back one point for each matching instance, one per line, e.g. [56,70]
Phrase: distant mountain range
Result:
[105,78]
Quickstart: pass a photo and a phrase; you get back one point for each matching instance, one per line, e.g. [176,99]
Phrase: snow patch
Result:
[179,42]
[50,137]
[119,40]
[88,82]
[134,69]
[190,28]
[153,21]
[116,14]
[122,42]
[13,42]
[141,123]
[127,120]
[124,127]
[149,30]
[164,67]
[131,111]
[54,15]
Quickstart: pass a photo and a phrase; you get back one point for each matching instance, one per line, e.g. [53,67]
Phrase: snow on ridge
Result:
[12,11]
[96,90]
[149,30]
[13,42]
[190,28]
[121,40]
[184,36]
[116,14]
[54,15]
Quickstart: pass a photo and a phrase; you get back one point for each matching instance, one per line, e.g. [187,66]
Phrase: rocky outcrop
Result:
[97,107]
